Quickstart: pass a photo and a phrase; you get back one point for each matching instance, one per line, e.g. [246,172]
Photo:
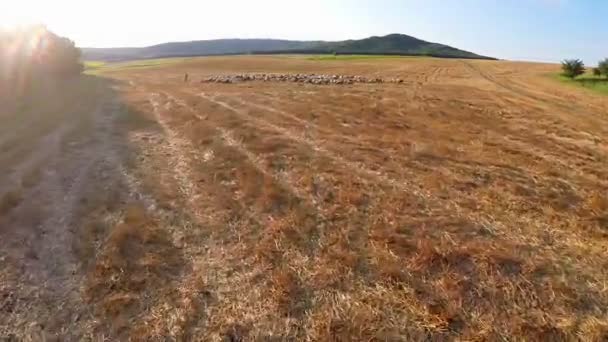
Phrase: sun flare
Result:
[19,14]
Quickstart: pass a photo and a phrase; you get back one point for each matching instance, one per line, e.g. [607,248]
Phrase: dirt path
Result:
[40,273]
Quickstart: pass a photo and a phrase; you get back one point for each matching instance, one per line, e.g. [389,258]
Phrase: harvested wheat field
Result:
[457,200]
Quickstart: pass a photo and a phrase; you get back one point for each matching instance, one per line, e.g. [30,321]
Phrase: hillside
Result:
[394,44]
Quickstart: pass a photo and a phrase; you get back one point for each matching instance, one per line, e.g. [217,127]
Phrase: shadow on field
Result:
[592,81]
[68,164]
[132,266]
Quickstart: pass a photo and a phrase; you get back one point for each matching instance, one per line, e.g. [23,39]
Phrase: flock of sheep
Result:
[297,78]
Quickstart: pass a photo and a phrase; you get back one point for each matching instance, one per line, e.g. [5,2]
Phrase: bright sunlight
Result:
[17,14]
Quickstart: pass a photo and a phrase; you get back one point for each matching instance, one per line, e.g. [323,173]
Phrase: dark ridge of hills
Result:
[393,44]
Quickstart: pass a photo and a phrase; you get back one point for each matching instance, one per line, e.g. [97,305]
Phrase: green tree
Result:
[603,67]
[31,56]
[572,68]
[58,56]
[35,51]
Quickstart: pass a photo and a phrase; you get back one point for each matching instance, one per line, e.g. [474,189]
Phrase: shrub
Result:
[597,72]
[573,67]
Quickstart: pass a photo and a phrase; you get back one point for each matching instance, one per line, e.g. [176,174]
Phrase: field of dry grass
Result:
[468,203]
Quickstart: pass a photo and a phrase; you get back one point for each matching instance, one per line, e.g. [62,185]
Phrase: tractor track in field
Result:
[377,176]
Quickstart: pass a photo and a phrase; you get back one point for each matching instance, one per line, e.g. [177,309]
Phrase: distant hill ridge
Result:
[392,44]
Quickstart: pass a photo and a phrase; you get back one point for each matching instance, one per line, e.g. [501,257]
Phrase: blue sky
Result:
[544,30]
[540,30]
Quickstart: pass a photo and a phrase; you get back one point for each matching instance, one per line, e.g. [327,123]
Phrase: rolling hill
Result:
[393,44]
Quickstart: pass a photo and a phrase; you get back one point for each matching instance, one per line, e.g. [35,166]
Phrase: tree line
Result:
[573,68]
[30,54]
